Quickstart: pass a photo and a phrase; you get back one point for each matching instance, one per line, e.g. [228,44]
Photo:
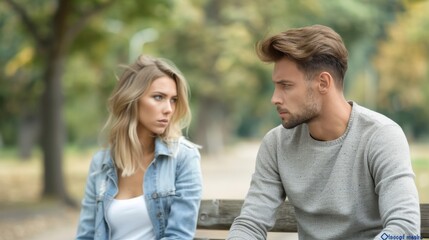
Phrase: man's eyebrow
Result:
[281,81]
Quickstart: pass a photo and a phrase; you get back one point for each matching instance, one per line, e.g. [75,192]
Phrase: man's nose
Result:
[275,99]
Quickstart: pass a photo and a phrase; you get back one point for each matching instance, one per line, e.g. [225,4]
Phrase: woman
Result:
[147,184]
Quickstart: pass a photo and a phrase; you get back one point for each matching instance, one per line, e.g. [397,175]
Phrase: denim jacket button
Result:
[154,195]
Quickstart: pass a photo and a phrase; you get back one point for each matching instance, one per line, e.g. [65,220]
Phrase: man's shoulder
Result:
[368,116]
[274,132]
[282,134]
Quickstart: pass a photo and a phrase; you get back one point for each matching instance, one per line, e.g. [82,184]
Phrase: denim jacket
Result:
[172,191]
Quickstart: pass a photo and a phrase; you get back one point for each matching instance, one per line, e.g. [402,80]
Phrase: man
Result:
[344,168]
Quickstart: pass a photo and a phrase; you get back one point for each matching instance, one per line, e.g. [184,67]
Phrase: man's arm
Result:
[265,195]
[390,165]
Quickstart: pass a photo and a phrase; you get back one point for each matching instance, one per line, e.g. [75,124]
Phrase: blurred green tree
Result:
[53,29]
[403,67]
[19,93]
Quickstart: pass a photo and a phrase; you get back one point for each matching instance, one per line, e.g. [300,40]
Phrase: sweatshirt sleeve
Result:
[390,165]
[265,195]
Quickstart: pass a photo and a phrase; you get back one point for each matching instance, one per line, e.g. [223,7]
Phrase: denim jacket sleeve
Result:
[86,225]
[182,219]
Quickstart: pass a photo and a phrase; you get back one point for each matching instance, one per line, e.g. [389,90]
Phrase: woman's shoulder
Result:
[188,144]
[185,147]
[100,158]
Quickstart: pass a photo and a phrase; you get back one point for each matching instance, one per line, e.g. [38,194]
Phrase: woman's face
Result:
[156,107]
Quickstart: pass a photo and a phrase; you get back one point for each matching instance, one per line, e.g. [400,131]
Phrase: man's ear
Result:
[325,82]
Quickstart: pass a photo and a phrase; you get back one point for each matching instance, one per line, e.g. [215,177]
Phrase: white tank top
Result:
[129,219]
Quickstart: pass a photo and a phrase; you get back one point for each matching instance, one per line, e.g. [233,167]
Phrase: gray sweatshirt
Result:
[359,186]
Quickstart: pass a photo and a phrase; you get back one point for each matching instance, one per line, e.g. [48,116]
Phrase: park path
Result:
[226,175]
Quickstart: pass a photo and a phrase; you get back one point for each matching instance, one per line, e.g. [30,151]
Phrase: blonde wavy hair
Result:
[121,126]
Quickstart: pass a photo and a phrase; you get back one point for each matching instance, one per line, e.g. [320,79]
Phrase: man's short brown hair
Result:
[314,48]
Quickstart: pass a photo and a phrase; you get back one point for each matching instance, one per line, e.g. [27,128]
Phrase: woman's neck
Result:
[148,144]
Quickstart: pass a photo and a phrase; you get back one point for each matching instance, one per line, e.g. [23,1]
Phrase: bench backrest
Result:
[219,214]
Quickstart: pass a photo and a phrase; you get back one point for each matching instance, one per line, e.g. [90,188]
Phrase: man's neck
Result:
[332,121]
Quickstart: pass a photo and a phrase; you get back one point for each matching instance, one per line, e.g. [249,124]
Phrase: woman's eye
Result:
[157,97]
[174,100]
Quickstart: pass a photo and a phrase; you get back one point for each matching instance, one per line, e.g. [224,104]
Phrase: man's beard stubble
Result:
[309,112]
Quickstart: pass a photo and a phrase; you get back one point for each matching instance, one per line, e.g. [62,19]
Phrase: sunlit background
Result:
[59,60]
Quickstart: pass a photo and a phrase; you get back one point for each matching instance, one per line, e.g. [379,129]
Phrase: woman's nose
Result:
[168,108]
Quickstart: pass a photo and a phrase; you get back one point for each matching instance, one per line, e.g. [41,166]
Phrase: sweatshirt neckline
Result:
[340,139]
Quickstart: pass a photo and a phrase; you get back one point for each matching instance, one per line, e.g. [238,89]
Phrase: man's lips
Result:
[282,112]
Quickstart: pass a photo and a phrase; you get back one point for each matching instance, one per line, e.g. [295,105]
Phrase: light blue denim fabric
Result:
[172,190]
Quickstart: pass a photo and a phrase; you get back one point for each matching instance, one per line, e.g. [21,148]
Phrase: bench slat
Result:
[219,214]
[424,215]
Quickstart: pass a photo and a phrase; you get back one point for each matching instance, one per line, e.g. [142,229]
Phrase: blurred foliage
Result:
[19,90]
[403,69]
[212,42]
[23,56]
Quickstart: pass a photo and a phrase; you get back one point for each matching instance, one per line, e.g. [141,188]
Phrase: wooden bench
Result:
[220,214]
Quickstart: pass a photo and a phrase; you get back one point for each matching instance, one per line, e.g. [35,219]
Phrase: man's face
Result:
[294,96]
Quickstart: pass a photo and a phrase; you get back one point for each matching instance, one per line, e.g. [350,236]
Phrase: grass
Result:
[21,180]
[420,163]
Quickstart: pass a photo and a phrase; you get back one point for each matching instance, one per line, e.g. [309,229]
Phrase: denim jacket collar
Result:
[161,148]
